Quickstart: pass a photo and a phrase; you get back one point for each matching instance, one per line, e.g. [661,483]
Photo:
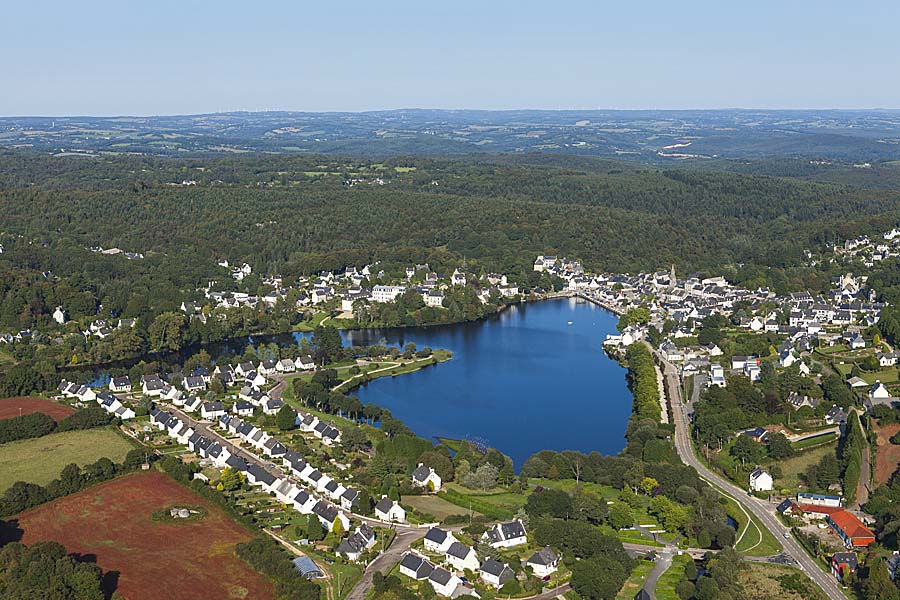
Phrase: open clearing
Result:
[40,460]
[10,407]
[765,581]
[154,559]
[792,468]
[887,455]
[436,507]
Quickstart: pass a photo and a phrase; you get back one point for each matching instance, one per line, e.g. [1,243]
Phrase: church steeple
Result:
[672,280]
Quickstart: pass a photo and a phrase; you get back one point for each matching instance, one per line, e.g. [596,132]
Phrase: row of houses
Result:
[458,557]
[107,401]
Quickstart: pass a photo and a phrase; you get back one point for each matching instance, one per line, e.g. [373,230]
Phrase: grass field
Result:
[752,538]
[502,505]
[41,460]
[792,467]
[435,506]
[13,407]
[154,559]
[814,441]
[766,581]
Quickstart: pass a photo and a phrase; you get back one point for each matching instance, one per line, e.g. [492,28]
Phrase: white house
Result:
[387,293]
[878,391]
[506,535]
[212,410]
[426,477]
[543,563]
[120,384]
[388,510]
[444,582]
[717,375]
[438,540]
[760,480]
[496,573]
[59,315]
[434,298]
[285,365]
[461,557]
[415,567]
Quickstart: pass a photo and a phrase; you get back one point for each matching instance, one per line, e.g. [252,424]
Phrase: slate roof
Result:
[458,550]
[436,535]
[384,504]
[544,556]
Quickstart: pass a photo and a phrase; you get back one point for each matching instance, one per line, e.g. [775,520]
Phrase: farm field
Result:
[154,559]
[887,455]
[40,460]
[9,407]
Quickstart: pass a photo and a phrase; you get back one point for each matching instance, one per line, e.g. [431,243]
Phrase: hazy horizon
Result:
[105,58]
[445,109]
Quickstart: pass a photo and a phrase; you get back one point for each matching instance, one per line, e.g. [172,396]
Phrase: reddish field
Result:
[9,407]
[176,561]
[887,455]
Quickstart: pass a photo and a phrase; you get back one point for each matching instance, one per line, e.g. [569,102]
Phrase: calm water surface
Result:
[524,381]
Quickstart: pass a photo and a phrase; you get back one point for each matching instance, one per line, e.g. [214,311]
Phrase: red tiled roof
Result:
[822,510]
[853,528]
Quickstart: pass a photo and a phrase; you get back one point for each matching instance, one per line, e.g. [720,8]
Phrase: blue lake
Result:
[523,381]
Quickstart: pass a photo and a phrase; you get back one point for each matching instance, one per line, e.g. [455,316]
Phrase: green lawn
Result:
[793,466]
[844,369]
[498,505]
[435,506]
[755,540]
[888,375]
[41,460]
[568,485]
[815,441]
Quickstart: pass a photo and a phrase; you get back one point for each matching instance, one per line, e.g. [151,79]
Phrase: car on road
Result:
[787,536]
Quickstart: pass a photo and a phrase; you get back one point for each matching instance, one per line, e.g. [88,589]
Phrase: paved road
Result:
[761,509]
[385,562]
[663,562]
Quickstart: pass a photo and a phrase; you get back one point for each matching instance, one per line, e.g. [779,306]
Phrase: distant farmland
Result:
[154,559]
[13,407]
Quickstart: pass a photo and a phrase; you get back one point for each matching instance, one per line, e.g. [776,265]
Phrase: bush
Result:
[25,427]
[86,418]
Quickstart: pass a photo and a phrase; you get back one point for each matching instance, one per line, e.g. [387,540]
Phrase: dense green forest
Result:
[297,215]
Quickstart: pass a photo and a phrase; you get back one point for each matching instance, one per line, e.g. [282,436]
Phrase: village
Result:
[236,449]
[714,333]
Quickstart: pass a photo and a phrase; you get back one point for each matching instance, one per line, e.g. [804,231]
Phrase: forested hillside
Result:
[300,215]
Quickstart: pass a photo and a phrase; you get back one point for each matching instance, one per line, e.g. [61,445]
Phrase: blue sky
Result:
[189,56]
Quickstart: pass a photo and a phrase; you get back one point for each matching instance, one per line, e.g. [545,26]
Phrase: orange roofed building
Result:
[851,529]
